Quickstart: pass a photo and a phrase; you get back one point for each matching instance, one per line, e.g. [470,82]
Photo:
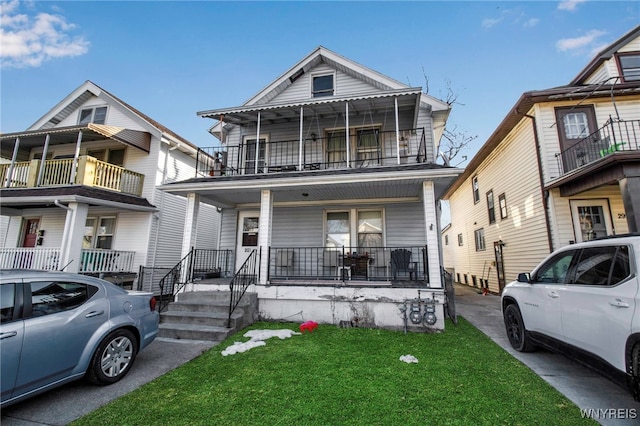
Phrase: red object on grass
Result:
[308,326]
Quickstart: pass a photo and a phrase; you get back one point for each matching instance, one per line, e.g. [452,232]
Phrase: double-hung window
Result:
[476,190]
[98,232]
[491,208]
[96,115]
[363,226]
[480,244]
[322,85]
[630,66]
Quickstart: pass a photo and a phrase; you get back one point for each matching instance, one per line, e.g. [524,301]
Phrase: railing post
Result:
[32,178]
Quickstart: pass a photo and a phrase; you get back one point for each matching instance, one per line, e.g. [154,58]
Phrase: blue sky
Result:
[172,59]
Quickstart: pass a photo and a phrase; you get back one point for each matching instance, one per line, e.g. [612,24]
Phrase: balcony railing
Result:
[92,261]
[349,263]
[89,171]
[614,136]
[366,149]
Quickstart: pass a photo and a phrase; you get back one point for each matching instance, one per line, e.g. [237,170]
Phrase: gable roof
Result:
[604,55]
[85,91]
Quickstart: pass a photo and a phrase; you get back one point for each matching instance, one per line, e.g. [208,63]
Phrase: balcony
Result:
[613,137]
[93,261]
[372,148]
[89,171]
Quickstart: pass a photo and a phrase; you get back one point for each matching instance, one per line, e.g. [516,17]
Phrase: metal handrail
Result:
[175,280]
[246,276]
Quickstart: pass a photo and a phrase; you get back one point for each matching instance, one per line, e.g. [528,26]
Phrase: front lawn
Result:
[352,376]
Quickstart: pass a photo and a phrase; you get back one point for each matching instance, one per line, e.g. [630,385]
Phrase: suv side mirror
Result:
[524,277]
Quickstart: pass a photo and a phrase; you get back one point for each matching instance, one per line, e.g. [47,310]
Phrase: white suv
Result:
[584,301]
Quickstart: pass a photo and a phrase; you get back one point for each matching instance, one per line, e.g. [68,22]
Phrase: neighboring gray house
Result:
[80,190]
[328,186]
[562,167]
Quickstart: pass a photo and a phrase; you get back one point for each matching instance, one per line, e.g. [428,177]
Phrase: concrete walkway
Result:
[585,388]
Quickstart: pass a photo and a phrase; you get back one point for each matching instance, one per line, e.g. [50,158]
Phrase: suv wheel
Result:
[518,335]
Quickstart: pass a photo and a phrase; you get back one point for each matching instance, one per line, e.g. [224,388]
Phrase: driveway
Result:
[586,389]
[70,402]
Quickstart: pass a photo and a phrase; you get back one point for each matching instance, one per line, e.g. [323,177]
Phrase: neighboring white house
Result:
[562,167]
[80,190]
[328,184]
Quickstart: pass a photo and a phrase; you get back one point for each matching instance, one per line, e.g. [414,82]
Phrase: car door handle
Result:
[619,304]
[94,314]
[7,335]
[553,295]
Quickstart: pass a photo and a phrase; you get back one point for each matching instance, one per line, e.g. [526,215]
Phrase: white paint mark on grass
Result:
[258,338]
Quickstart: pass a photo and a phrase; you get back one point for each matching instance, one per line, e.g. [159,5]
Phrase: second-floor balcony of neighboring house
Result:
[616,140]
[28,159]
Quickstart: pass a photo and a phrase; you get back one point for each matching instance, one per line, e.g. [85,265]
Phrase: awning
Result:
[69,134]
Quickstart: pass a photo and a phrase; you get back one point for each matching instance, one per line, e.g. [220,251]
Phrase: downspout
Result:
[543,193]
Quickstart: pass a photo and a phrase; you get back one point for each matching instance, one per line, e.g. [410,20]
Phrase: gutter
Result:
[59,204]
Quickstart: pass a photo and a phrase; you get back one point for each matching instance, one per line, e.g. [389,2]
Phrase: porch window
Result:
[369,229]
[491,207]
[93,115]
[368,147]
[338,232]
[336,149]
[630,66]
[98,232]
[364,226]
[322,86]
[250,156]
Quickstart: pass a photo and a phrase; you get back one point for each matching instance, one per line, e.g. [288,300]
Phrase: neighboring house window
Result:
[98,232]
[93,115]
[476,190]
[322,86]
[502,201]
[479,234]
[460,239]
[630,66]
[491,207]
[446,240]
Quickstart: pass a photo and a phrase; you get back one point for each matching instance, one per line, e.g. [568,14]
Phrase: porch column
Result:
[257,157]
[16,145]
[431,229]
[264,233]
[395,101]
[301,145]
[76,155]
[630,190]
[44,159]
[346,125]
[71,247]
[190,223]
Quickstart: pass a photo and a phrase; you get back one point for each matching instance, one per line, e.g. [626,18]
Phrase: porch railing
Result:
[30,258]
[246,276]
[99,261]
[371,149]
[614,136]
[89,172]
[349,263]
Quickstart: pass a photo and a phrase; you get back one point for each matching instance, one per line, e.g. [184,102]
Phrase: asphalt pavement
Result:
[611,404]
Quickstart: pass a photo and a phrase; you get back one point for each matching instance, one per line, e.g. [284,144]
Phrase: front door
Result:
[591,219]
[30,232]
[574,125]
[247,240]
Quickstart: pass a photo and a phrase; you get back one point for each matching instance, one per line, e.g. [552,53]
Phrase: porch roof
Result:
[325,106]
[366,185]
[63,135]
[14,199]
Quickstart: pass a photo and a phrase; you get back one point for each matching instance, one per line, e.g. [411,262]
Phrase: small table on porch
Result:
[359,264]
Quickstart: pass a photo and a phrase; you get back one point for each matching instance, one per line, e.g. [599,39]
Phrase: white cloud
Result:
[569,5]
[490,22]
[529,23]
[579,44]
[28,41]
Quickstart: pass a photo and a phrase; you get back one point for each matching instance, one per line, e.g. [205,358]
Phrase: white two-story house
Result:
[79,190]
[328,186]
[562,167]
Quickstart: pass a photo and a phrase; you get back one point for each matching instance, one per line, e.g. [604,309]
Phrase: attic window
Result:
[322,86]
[630,66]
[93,115]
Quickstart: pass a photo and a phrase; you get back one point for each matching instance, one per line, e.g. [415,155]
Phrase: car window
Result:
[621,267]
[601,266]
[49,297]
[555,269]
[7,301]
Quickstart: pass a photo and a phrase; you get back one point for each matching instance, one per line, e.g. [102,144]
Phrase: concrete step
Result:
[194,332]
[214,296]
[213,318]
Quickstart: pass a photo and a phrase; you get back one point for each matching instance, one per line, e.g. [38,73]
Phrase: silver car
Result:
[58,327]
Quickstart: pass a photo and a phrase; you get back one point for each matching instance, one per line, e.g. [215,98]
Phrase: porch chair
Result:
[284,261]
[401,262]
[333,259]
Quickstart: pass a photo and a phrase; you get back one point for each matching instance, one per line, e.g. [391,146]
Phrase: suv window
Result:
[602,266]
[50,297]
[7,301]
[555,269]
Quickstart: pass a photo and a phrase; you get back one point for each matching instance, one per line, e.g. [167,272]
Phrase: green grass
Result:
[349,376]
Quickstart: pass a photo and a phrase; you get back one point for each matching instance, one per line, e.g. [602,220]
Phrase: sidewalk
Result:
[585,388]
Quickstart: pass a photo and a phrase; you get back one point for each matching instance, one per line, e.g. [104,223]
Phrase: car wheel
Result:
[517,334]
[113,358]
